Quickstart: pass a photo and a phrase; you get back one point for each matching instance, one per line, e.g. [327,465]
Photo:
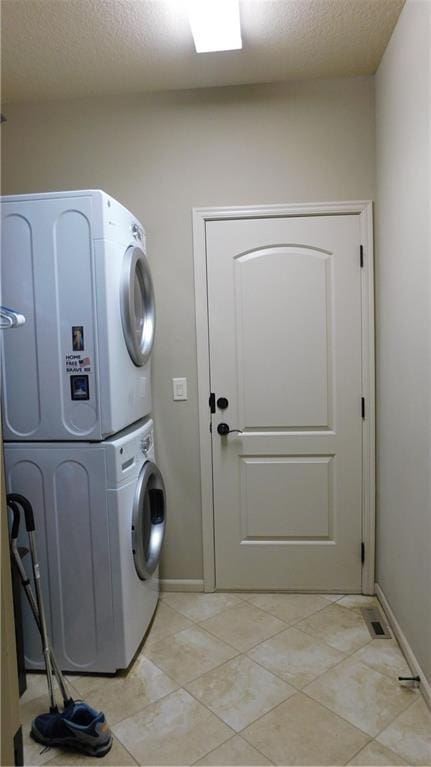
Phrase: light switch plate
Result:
[179,388]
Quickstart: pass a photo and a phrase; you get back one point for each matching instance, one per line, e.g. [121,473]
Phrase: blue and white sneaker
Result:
[79,727]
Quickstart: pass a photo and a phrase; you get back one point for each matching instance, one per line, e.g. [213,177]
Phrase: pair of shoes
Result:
[79,727]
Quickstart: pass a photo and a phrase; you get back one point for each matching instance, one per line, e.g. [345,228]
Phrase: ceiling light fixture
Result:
[215,25]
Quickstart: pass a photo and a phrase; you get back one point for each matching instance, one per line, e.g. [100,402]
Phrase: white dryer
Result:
[75,265]
[100,520]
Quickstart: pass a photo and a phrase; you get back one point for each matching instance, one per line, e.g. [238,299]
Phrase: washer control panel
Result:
[126,454]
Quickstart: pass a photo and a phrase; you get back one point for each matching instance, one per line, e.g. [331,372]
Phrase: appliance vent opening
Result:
[376,624]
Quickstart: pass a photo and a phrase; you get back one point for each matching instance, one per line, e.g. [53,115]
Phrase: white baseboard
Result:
[172,584]
[410,657]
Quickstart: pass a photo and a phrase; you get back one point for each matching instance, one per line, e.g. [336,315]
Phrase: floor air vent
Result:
[376,624]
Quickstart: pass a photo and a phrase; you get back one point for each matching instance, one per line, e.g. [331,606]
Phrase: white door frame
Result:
[200,216]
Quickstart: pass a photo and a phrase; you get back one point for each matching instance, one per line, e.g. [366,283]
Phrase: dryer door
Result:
[137,305]
[148,521]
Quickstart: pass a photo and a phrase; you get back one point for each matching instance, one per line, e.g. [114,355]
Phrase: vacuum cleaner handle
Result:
[13,499]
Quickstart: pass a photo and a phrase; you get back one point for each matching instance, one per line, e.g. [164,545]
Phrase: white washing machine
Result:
[75,265]
[100,520]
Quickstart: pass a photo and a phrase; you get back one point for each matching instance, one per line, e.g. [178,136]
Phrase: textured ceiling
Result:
[69,48]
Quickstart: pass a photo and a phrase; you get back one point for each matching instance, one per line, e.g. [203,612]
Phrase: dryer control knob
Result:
[146,444]
[137,233]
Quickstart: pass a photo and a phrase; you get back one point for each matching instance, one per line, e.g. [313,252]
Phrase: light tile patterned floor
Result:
[253,679]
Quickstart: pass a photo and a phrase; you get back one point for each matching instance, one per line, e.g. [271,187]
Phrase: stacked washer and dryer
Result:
[76,402]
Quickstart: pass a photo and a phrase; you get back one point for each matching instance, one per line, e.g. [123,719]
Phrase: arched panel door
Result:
[284,305]
[148,520]
[137,305]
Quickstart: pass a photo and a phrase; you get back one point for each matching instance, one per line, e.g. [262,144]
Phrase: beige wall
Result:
[161,155]
[403,295]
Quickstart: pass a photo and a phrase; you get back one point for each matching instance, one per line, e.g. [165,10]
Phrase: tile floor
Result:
[253,679]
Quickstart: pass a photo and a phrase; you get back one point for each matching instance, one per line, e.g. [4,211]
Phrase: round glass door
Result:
[148,520]
[137,305]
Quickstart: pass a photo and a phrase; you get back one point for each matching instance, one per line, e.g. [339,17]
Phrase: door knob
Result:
[222,403]
[223,429]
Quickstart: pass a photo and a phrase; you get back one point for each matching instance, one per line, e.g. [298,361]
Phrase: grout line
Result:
[237,652]
[199,620]
[308,632]
[278,631]
[288,681]
[286,626]
[412,703]
[299,692]
[304,690]
[258,717]
[217,717]
[178,689]
[311,615]
[256,748]
[368,744]
[245,649]
[304,617]
[339,716]
[121,742]
[244,652]
[213,749]
[150,703]
[126,749]
[165,602]
[373,668]
[247,602]
[236,732]
[347,653]
[205,630]
[358,752]
[286,593]
[237,735]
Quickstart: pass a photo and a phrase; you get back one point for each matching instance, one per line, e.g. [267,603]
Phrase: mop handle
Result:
[15,500]
[29,524]
[12,500]
[30,596]
[16,519]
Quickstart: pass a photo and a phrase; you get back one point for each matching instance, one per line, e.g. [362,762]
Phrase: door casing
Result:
[364,209]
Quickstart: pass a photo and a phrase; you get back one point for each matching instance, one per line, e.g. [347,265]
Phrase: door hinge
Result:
[212,402]
[363,407]
[361,255]
[362,553]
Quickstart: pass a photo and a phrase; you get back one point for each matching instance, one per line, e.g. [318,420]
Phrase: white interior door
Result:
[284,304]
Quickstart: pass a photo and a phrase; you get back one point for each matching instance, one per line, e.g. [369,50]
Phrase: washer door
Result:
[137,305]
[148,520]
